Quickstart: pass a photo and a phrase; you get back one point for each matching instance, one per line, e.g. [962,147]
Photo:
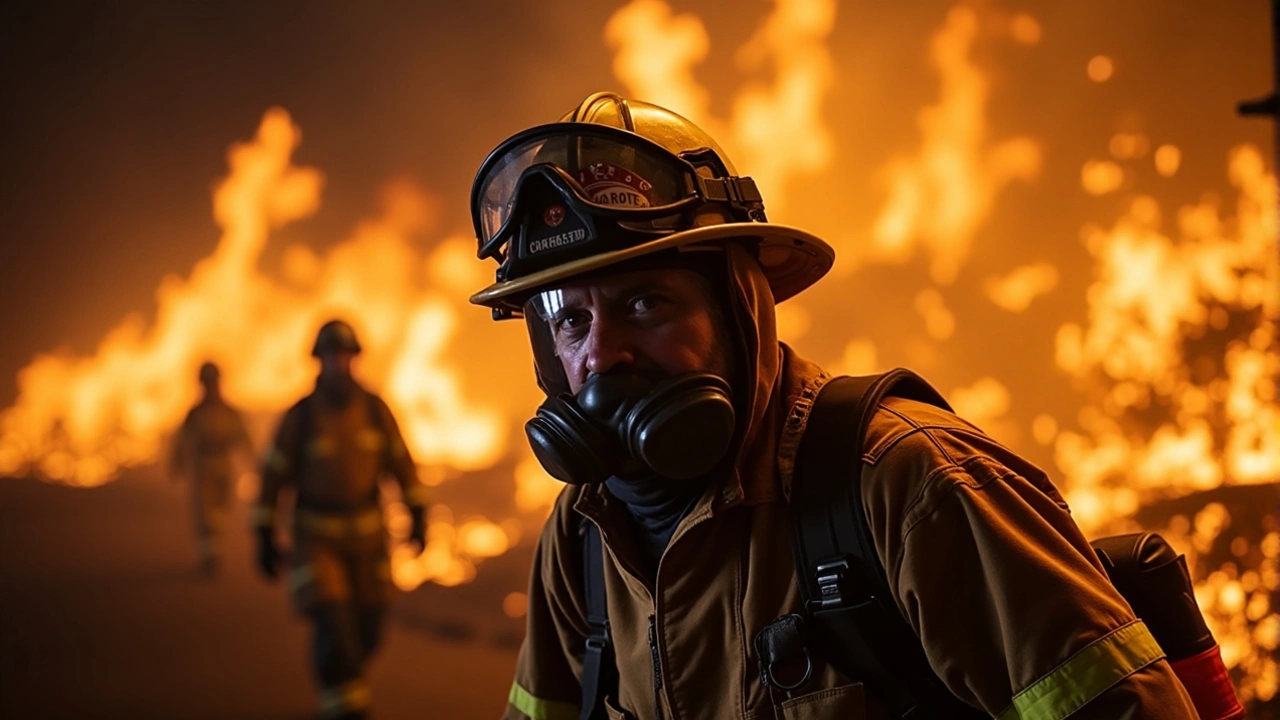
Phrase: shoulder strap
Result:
[599,669]
[858,627]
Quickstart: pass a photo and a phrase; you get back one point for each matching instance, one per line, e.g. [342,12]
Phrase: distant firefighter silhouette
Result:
[332,448]
[203,455]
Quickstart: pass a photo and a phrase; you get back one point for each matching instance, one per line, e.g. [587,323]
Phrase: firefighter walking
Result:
[203,455]
[332,448]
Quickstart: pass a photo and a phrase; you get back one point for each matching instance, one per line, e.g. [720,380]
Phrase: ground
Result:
[102,615]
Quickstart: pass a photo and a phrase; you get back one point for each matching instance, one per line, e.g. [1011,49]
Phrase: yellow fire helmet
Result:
[613,181]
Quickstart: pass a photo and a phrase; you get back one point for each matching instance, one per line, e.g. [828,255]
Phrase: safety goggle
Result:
[604,172]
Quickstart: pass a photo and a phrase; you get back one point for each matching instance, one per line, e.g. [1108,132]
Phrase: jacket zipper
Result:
[657,666]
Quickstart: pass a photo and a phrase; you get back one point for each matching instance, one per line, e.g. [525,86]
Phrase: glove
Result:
[268,555]
[418,532]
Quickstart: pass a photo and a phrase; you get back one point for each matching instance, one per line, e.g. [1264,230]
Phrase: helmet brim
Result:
[792,260]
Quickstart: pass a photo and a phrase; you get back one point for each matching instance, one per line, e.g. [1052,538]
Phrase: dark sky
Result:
[118,114]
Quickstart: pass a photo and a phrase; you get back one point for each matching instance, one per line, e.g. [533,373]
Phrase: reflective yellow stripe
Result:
[339,527]
[262,516]
[539,709]
[1086,675]
[322,447]
[369,440]
[354,695]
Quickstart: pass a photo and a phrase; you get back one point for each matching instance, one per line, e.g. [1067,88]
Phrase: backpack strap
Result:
[599,669]
[856,624]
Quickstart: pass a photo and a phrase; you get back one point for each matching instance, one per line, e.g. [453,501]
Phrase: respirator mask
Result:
[629,424]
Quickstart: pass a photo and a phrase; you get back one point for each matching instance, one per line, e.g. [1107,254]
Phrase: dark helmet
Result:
[209,373]
[335,336]
[616,180]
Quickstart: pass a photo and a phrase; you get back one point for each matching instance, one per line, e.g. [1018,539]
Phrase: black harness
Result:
[853,622]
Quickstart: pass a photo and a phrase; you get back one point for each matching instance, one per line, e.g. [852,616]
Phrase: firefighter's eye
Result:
[646,303]
[570,320]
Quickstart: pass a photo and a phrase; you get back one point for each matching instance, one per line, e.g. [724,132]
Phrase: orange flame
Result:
[1156,293]
[1153,298]
[80,419]
[939,197]
[775,131]
[1152,292]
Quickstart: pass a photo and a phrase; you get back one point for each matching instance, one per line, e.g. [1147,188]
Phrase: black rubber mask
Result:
[627,424]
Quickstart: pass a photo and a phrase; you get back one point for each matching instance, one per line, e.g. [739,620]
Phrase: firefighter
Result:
[332,448]
[203,455]
[647,275]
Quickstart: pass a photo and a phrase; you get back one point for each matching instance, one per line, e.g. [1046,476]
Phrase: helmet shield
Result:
[613,181]
[568,191]
[604,168]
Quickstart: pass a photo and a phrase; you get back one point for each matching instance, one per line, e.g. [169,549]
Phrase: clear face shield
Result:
[538,313]
[628,422]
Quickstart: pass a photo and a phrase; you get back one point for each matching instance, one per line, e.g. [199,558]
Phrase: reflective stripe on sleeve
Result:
[537,708]
[1086,675]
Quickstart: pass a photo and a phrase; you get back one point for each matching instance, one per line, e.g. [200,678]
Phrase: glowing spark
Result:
[1168,158]
[1015,291]
[1099,177]
[1100,68]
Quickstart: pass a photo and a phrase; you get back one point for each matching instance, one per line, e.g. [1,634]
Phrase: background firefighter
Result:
[210,435]
[332,448]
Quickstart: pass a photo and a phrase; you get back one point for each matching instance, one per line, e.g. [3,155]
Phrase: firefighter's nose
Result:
[608,347]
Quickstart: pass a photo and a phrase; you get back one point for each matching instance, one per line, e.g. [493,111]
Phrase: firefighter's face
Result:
[662,321]
[336,363]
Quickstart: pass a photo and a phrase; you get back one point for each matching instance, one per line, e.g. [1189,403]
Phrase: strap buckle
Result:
[599,637]
[833,580]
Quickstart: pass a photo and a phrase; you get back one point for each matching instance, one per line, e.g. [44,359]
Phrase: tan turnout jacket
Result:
[1012,606]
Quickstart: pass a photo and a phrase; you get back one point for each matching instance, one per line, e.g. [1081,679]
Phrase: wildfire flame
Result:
[939,197]
[1177,355]
[1154,302]
[775,129]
